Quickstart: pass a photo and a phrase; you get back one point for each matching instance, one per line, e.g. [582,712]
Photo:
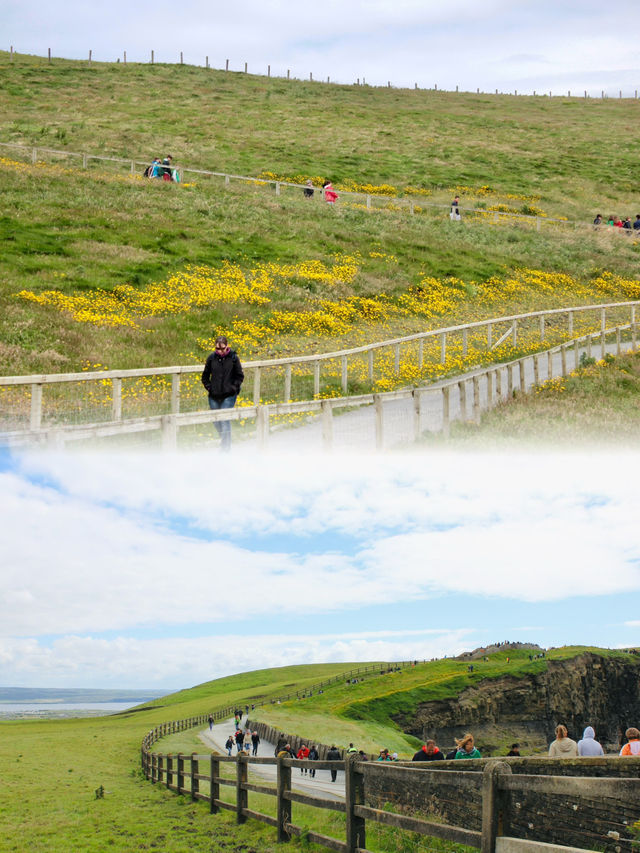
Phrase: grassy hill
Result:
[101,268]
[53,768]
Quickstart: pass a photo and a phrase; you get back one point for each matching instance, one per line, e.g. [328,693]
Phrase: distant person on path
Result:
[627,224]
[255,742]
[239,740]
[333,754]
[303,754]
[455,209]
[633,746]
[598,220]
[308,191]
[285,752]
[280,745]
[210,720]
[314,755]
[229,745]
[428,752]
[514,751]
[350,748]
[589,745]
[330,195]
[466,747]
[563,746]
[222,377]
[636,224]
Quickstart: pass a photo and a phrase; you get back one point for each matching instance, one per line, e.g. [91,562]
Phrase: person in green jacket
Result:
[466,748]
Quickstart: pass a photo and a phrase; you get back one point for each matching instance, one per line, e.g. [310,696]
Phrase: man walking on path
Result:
[333,754]
[222,377]
[255,740]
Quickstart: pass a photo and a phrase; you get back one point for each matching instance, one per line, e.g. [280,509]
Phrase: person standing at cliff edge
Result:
[563,746]
[589,746]
[222,377]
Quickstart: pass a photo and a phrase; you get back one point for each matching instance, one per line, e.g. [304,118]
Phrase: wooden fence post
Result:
[180,772]
[377,402]
[417,413]
[354,796]
[316,377]
[523,380]
[446,428]
[327,424]
[396,359]
[169,769]
[36,406]
[242,795]
[443,347]
[549,365]
[476,399]
[542,327]
[287,383]
[464,342]
[214,785]
[283,805]
[563,359]
[159,767]
[116,401]
[494,805]
[175,393]
[462,397]
[195,781]
[344,374]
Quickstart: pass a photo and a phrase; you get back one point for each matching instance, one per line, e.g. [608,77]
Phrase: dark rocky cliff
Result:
[588,690]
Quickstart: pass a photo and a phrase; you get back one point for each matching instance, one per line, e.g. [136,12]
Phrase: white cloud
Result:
[102,552]
[460,42]
[179,662]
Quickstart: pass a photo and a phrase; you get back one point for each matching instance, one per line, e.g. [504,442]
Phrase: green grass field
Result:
[102,269]
[595,404]
[52,769]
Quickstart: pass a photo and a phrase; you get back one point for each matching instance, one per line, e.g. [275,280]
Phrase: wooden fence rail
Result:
[421,349]
[498,788]
[474,393]
[409,204]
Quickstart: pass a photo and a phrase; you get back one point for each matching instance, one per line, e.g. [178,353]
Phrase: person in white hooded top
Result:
[589,746]
[563,746]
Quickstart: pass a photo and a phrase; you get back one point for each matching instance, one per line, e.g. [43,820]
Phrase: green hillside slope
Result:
[103,268]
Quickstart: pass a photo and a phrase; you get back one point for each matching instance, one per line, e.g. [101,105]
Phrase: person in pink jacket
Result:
[330,195]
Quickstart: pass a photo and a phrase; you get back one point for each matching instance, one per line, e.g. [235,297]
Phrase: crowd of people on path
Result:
[616,222]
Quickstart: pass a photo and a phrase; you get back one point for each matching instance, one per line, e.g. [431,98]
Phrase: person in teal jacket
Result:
[466,748]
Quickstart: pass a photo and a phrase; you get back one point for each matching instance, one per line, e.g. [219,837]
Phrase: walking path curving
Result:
[321,783]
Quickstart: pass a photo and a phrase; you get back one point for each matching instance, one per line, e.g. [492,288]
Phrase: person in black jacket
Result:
[429,752]
[333,754]
[222,377]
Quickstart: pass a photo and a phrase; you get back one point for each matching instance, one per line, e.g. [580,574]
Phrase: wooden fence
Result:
[75,416]
[410,205]
[499,791]
[207,65]
[425,409]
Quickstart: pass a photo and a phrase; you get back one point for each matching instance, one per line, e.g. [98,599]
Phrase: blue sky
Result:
[171,570]
[525,45]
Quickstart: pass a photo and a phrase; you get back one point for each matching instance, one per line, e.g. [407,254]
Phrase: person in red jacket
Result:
[330,195]
[303,755]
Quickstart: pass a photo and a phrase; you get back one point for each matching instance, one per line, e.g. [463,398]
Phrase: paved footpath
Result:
[321,784]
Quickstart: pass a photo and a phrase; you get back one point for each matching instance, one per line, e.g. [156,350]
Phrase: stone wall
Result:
[582,822]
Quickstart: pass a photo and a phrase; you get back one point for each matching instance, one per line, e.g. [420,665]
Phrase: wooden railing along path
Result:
[488,383]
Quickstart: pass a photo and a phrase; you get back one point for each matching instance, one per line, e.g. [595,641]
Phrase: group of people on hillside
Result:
[617,222]
[328,192]
[162,169]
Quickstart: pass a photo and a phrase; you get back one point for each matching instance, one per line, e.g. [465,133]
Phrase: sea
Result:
[49,710]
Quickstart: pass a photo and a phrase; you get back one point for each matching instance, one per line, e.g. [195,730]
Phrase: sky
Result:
[523,46]
[165,571]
